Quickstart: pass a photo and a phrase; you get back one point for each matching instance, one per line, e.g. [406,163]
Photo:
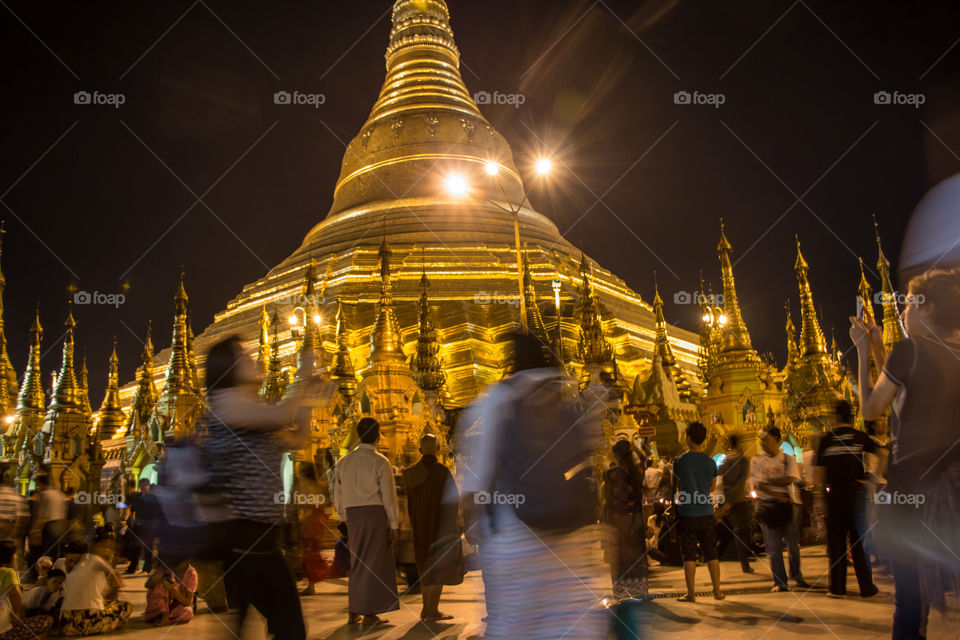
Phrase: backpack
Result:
[546,471]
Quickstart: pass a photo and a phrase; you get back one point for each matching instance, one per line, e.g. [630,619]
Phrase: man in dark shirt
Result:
[737,509]
[838,466]
[695,476]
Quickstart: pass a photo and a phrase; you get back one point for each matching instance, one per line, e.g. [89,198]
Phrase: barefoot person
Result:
[696,478]
[433,502]
[170,595]
[366,499]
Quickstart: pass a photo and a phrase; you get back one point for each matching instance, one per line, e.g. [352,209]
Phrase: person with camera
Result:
[170,595]
[775,474]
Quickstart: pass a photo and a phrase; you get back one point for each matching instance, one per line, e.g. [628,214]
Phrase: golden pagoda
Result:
[9,388]
[741,389]
[423,127]
[110,418]
[21,440]
[893,331]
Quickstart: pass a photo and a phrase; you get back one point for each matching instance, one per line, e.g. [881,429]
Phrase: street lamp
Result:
[458,187]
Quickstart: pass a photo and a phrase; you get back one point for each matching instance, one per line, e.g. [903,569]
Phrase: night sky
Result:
[106,199]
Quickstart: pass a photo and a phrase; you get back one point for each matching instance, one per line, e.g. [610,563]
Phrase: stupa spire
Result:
[8,376]
[110,416]
[736,336]
[145,396]
[32,397]
[66,392]
[427,363]
[811,335]
[661,344]
[273,385]
[385,340]
[343,372]
[310,340]
[866,294]
[263,357]
[83,382]
[593,347]
[893,331]
[178,370]
[793,352]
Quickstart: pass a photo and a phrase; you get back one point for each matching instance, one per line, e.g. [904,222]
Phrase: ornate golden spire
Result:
[8,376]
[661,345]
[427,363]
[893,331]
[343,372]
[866,294]
[145,397]
[535,323]
[31,397]
[735,332]
[194,384]
[83,382]
[385,340]
[179,372]
[811,336]
[425,123]
[110,416]
[593,347]
[273,385]
[793,353]
[263,358]
[66,392]
[310,340]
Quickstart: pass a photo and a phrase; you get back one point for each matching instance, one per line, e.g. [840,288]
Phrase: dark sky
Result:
[100,197]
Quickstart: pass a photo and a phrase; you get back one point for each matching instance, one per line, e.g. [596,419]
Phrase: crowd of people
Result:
[563,528]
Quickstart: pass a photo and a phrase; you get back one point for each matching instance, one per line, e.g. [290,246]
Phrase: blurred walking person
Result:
[434,505]
[736,512]
[243,442]
[623,511]
[919,523]
[840,480]
[365,496]
[530,497]
[312,495]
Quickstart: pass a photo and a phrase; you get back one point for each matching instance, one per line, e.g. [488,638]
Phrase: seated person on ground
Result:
[45,599]
[170,596]
[90,602]
[72,553]
[14,623]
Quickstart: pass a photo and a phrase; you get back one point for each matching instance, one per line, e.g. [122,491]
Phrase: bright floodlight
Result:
[292,320]
[707,318]
[492,168]
[544,166]
[722,319]
[457,185]
[10,419]
[317,319]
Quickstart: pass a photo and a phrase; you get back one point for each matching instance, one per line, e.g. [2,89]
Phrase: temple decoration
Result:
[8,376]
[735,335]
[110,417]
[593,349]
[893,331]
[342,372]
[21,436]
[427,362]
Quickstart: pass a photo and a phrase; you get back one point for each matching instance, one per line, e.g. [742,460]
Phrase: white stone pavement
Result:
[754,613]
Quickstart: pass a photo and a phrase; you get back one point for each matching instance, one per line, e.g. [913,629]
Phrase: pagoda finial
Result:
[145,396]
[811,335]
[793,353]
[593,346]
[178,378]
[343,372]
[535,323]
[735,335]
[32,397]
[263,352]
[661,344]
[427,363]
[385,341]
[83,383]
[110,416]
[8,376]
[66,392]
[273,385]
[866,294]
[893,331]
[310,340]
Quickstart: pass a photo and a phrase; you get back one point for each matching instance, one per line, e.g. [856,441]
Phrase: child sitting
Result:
[45,599]
[170,596]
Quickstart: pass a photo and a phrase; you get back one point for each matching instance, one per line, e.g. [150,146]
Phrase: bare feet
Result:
[373,620]
[687,598]
[718,595]
[309,590]
[353,618]
[433,617]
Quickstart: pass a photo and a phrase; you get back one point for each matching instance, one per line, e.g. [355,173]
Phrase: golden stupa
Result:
[390,204]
